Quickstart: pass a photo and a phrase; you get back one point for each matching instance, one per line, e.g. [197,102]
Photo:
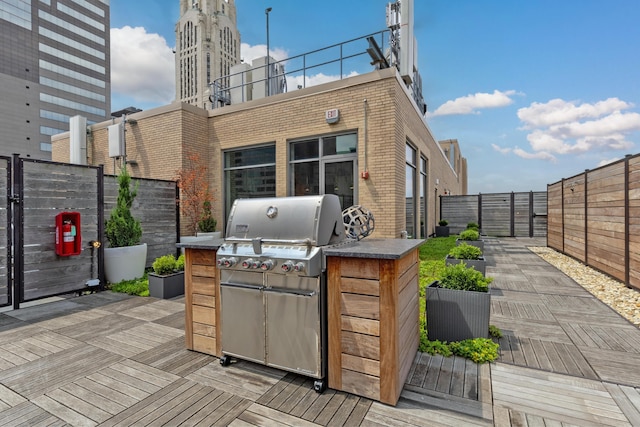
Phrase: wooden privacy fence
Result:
[512,214]
[595,217]
[35,191]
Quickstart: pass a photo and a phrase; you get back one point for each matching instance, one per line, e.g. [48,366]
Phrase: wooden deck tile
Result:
[29,414]
[411,414]
[131,342]
[258,415]
[34,378]
[613,366]
[236,379]
[155,310]
[225,413]
[559,397]
[628,399]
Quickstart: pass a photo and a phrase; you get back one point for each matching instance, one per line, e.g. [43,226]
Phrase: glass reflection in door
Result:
[338,180]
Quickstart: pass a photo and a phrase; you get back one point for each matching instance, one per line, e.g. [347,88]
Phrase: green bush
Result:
[459,277]
[122,229]
[139,287]
[465,251]
[495,332]
[180,263]
[443,222]
[164,265]
[469,234]
[207,222]
[473,225]
[480,350]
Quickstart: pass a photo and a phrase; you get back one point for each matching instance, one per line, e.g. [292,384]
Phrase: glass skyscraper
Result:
[54,64]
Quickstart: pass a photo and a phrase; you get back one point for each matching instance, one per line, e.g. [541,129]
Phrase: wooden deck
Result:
[110,359]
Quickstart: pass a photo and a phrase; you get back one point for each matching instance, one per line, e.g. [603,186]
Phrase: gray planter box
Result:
[479,264]
[476,243]
[166,286]
[442,231]
[454,315]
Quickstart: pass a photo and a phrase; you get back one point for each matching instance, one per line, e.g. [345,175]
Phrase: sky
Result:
[534,91]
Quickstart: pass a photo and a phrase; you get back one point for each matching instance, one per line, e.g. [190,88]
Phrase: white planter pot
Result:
[126,263]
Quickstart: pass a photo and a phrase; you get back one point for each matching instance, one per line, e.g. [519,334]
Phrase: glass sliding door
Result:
[325,165]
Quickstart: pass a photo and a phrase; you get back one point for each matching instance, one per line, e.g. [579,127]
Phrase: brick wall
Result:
[161,137]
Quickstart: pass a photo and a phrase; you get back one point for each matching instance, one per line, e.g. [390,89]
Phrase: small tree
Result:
[122,229]
[194,190]
[207,223]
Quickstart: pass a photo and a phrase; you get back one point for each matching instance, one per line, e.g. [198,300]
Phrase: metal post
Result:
[266,12]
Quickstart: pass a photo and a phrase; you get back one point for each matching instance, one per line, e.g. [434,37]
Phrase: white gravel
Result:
[608,290]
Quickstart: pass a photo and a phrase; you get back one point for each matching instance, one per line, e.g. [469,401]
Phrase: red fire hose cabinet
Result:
[68,236]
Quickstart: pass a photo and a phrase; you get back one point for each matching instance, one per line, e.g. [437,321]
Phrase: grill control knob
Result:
[229,262]
[266,265]
[247,263]
[299,267]
[255,264]
[287,266]
[220,262]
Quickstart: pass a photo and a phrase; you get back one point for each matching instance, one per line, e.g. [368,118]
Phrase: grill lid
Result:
[318,218]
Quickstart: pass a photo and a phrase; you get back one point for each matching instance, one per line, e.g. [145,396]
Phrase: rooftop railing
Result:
[326,64]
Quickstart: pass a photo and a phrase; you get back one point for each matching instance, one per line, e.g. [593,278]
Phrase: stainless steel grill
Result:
[273,283]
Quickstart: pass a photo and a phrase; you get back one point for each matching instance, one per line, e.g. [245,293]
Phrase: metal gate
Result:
[498,214]
[35,191]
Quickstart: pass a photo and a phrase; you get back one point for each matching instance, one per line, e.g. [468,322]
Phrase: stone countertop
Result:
[211,244]
[375,248]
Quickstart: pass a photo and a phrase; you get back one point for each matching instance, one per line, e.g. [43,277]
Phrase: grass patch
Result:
[139,287]
[437,248]
[432,255]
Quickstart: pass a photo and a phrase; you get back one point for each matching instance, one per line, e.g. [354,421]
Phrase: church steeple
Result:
[207,46]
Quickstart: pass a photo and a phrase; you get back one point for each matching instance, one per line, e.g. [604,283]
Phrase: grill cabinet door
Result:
[293,326]
[243,315]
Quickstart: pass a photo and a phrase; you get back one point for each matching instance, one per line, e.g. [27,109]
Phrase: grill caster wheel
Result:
[225,360]
[319,386]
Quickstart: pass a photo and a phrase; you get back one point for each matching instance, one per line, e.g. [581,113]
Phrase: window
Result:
[248,173]
[410,191]
[423,197]
[325,165]
[17,12]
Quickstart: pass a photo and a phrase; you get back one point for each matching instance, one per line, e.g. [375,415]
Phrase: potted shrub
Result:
[471,237]
[167,279]
[442,229]
[458,305]
[469,255]
[126,257]
[207,223]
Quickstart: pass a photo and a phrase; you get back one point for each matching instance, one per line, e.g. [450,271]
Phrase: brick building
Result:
[379,153]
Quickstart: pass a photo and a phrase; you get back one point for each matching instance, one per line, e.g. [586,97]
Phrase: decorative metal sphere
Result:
[358,222]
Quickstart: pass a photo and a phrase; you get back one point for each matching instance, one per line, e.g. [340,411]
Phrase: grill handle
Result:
[242,286]
[295,292]
[258,241]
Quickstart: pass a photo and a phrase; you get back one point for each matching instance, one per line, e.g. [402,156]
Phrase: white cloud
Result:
[559,111]
[563,127]
[540,155]
[605,162]
[142,65]
[248,53]
[470,104]
[502,150]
